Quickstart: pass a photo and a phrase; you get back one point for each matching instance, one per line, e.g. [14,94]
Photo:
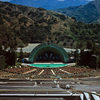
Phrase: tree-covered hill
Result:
[89,13]
[22,24]
[30,24]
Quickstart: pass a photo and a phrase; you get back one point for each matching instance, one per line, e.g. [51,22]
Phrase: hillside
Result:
[30,24]
[20,25]
[89,13]
[50,4]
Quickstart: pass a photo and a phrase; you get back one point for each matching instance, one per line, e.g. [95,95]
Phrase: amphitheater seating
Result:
[31,72]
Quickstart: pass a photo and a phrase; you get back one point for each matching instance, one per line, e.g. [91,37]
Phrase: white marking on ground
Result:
[41,72]
[65,71]
[53,72]
[30,71]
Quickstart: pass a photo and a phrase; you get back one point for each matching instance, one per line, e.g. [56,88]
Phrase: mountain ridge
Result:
[89,13]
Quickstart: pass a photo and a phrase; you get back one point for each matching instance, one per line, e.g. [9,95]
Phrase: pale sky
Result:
[5,0]
[58,0]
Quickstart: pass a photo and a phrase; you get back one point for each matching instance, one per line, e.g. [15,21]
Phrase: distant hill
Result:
[22,24]
[50,4]
[89,13]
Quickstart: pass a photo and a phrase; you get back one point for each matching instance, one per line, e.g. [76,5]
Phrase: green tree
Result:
[21,52]
[89,44]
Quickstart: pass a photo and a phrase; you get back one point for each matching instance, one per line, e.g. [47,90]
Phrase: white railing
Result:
[84,96]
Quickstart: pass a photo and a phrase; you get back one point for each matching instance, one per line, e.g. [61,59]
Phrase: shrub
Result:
[7,19]
[62,17]
[60,43]
[41,9]
[1,21]
[65,24]
[9,67]
[23,19]
[56,38]
[57,33]
[13,66]
[18,63]
[9,9]
[34,14]
[87,66]
[82,66]
[42,20]
[2,11]
[64,44]
[74,18]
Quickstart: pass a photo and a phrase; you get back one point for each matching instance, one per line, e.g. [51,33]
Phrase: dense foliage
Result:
[89,57]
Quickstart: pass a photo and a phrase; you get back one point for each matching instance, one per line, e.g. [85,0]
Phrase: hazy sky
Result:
[5,0]
[58,0]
